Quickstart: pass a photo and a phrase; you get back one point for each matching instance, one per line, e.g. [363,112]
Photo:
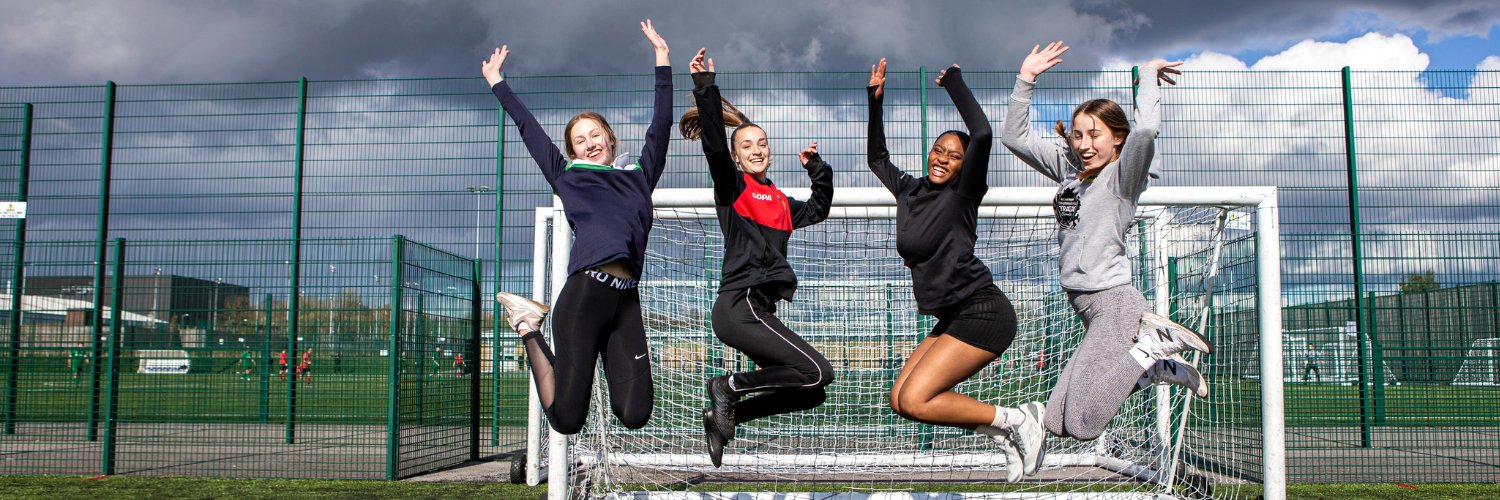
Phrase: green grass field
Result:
[227,398]
[69,487]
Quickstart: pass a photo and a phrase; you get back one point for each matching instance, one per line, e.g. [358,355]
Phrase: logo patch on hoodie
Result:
[765,205]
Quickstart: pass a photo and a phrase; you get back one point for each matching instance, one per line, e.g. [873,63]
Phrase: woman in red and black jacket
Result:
[757,220]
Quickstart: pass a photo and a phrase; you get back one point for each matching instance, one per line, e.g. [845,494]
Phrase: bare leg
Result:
[924,392]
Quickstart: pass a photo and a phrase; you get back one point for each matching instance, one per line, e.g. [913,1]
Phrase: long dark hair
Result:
[691,127]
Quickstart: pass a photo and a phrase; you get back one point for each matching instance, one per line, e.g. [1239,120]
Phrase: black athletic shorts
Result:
[985,319]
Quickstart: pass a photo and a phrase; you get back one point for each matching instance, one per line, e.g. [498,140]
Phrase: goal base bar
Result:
[892,495]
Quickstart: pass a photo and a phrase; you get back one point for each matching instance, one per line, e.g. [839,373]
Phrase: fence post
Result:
[419,341]
[18,276]
[475,326]
[265,365]
[922,92]
[499,252]
[1377,361]
[111,401]
[1360,321]
[106,160]
[294,295]
[393,392]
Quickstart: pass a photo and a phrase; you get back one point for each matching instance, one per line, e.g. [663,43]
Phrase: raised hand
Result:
[941,74]
[657,43]
[491,67]
[1039,61]
[877,78]
[1164,70]
[698,65]
[808,152]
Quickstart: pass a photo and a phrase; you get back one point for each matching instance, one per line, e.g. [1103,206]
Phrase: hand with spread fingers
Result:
[1164,70]
[700,64]
[1041,59]
[877,78]
[657,43]
[491,67]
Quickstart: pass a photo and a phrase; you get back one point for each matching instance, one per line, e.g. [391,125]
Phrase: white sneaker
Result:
[1031,435]
[1160,337]
[1014,467]
[523,312]
[1177,371]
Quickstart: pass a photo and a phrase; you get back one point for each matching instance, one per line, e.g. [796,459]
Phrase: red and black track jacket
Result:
[755,217]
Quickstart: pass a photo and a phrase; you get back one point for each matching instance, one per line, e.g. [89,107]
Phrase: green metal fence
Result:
[1390,190]
[181,374]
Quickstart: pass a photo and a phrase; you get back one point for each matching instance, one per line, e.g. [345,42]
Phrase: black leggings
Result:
[595,315]
[791,370]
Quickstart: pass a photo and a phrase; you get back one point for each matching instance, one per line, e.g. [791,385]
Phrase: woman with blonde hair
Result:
[608,203]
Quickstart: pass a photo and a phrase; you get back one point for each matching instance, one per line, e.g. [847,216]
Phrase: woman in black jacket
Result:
[936,220]
[756,219]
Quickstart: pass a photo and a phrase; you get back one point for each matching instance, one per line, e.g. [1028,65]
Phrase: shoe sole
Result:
[1036,410]
[1202,390]
[513,301]
[1192,338]
[712,437]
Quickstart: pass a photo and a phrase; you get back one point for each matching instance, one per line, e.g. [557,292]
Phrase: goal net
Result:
[854,304]
[1327,355]
[1481,364]
[163,361]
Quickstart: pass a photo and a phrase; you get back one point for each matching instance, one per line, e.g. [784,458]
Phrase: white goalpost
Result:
[1326,355]
[854,304]
[1481,364]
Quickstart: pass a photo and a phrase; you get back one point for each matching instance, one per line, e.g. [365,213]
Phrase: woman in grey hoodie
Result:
[1101,174]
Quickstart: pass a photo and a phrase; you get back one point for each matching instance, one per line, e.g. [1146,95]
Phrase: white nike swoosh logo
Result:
[640,356]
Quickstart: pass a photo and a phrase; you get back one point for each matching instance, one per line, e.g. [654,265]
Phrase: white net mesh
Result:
[854,303]
[1481,364]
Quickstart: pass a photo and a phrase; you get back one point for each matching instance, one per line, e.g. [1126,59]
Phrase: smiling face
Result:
[590,139]
[1093,141]
[945,159]
[751,150]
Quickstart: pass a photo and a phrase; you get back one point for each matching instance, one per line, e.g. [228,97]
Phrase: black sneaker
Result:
[721,403]
[716,441]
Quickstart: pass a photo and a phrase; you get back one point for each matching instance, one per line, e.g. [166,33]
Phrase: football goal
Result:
[854,303]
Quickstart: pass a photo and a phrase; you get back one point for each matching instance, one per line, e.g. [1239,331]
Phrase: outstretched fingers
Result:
[808,152]
[877,77]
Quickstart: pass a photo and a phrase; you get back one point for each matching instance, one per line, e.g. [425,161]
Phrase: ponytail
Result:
[691,126]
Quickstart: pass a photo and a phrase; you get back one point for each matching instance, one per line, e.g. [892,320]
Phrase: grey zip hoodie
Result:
[1092,216]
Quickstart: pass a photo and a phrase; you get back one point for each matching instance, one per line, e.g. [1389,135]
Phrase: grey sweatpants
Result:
[1101,374]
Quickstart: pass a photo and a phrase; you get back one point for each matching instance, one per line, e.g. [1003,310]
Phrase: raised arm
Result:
[546,154]
[728,183]
[658,133]
[1046,157]
[1140,146]
[816,208]
[879,157]
[971,178]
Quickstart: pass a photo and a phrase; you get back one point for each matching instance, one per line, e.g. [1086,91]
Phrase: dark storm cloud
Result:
[142,41]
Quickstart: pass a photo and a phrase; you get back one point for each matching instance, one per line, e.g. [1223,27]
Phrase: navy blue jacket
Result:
[608,206]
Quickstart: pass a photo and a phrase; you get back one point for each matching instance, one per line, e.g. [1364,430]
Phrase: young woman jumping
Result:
[1100,176]
[598,312]
[756,220]
[936,219]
